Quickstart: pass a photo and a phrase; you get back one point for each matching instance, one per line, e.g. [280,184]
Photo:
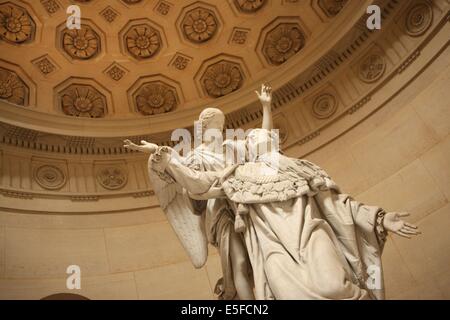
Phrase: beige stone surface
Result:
[392,145]
[436,112]
[427,256]
[35,253]
[144,246]
[410,189]
[174,281]
[436,161]
[214,270]
[82,221]
[397,277]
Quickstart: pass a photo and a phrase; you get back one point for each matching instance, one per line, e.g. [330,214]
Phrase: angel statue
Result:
[304,238]
[197,221]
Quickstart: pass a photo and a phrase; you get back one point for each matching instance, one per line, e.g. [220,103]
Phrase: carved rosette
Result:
[155,98]
[142,41]
[83,43]
[249,6]
[16,25]
[112,178]
[372,68]
[83,101]
[222,78]
[324,106]
[50,177]
[283,42]
[199,25]
[12,88]
[418,19]
[332,7]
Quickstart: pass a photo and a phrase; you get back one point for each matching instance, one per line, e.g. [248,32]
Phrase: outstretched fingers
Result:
[410,225]
[405,235]
[409,231]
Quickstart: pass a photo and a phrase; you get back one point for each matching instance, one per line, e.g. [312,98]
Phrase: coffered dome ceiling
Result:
[139,69]
[151,64]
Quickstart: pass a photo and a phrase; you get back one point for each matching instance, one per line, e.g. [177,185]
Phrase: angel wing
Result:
[180,213]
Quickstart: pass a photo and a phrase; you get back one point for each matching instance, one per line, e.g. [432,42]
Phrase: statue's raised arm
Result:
[265,97]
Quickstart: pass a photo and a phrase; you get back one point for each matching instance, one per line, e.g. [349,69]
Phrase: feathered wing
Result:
[180,213]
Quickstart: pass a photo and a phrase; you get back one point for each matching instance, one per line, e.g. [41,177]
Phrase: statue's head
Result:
[260,142]
[212,118]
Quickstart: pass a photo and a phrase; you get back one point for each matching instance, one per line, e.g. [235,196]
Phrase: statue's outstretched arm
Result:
[265,97]
[145,146]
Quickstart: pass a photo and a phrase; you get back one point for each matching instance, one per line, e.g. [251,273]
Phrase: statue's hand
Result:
[393,223]
[130,145]
[265,96]
[145,146]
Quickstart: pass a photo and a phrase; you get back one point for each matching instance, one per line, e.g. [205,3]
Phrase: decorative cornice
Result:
[16,194]
[408,61]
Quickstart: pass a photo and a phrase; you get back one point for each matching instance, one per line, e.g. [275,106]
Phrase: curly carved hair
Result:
[207,115]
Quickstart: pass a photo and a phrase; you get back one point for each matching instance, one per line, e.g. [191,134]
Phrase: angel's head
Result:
[261,143]
[212,118]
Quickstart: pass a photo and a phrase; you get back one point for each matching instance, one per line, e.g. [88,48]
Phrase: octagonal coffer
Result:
[16,24]
[222,78]
[142,39]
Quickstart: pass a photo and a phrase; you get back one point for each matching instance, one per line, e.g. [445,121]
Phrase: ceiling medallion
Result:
[282,42]
[222,78]
[324,106]
[142,41]
[419,19]
[83,101]
[81,43]
[249,6]
[50,177]
[372,67]
[12,88]
[16,25]
[199,25]
[155,98]
[112,178]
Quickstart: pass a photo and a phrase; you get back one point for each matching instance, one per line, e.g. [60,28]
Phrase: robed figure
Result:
[304,238]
